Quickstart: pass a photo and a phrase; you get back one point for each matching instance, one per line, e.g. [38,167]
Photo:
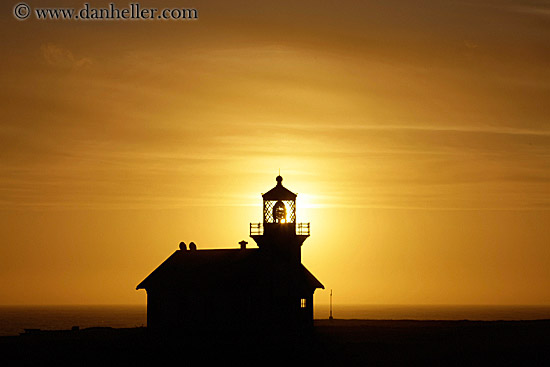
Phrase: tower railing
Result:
[302,229]
[257,229]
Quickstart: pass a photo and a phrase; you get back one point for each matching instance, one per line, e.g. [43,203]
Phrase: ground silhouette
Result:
[341,342]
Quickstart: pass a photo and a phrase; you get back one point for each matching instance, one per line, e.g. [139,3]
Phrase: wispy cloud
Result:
[58,56]
[474,129]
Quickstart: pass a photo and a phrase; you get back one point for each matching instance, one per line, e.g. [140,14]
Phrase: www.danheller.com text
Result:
[134,11]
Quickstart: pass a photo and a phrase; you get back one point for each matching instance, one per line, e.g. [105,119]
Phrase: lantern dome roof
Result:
[279,192]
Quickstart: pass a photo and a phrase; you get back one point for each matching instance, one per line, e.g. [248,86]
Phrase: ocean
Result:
[14,319]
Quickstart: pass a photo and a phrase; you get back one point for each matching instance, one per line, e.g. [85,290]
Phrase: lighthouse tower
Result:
[279,235]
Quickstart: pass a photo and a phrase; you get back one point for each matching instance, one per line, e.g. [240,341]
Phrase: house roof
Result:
[222,269]
[279,192]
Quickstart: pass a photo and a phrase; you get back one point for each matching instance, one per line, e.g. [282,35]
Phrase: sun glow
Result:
[419,158]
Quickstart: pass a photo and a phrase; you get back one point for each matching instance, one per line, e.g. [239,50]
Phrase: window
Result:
[303,303]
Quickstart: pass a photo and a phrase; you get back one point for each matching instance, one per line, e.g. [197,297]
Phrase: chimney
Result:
[243,244]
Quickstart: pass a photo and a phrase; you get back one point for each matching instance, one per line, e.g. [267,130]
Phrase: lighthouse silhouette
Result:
[239,289]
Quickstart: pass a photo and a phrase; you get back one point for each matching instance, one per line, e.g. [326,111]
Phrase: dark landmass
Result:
[338,342]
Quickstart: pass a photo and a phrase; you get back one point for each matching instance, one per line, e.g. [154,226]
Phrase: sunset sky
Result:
[416,134]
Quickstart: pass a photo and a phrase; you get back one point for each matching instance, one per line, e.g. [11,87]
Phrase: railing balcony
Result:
[302,229]
[257,229]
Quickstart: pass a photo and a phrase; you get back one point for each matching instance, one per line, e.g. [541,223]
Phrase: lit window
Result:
[303,303]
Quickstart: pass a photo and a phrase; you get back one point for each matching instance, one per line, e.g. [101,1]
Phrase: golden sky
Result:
[416,134]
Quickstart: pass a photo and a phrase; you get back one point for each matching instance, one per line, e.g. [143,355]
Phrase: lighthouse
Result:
[263,289]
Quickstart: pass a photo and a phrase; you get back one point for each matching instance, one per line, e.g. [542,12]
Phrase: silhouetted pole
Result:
[330,316]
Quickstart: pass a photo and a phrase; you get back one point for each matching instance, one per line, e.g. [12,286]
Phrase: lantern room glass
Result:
[279,211]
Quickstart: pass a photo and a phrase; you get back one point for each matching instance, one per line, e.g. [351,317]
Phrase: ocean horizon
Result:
[14,319]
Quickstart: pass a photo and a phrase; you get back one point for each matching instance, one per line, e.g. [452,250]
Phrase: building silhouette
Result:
[243,288]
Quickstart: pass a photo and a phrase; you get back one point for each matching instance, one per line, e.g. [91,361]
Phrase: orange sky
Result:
[416,135]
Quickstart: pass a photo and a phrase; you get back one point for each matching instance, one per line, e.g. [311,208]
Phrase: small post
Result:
[330,316]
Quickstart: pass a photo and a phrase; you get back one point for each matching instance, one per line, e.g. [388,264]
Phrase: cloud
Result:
[470,44]
[533,9]
[63,58]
